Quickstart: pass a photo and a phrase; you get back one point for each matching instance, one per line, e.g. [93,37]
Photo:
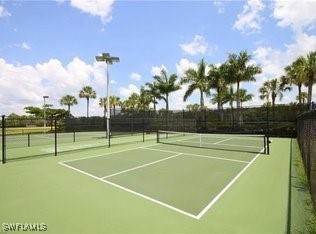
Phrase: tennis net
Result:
[228,142]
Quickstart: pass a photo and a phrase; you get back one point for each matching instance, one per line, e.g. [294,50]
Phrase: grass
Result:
[303,215]
[26,130]
[43,191]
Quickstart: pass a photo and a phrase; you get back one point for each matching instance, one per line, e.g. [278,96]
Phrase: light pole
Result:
[44,107]
[105,57]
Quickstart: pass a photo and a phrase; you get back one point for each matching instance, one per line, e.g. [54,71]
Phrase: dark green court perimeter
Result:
[67,201]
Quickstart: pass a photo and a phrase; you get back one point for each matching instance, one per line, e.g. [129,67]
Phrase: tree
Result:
[244,96]
[166,85]
[102,104]
[145,99]
[197,80]
[239,70]
[295,75]
[193,107]
[131,104]
[87,92]
[154,93]
[273,88]
[114,102]
[68,100]
[302,98]
[310,71]
[218,80]
[35,111]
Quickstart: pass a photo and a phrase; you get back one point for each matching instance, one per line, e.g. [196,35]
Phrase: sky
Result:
[49,47]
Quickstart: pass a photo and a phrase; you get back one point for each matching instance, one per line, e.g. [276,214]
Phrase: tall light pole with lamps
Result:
[105,57]
[44,107]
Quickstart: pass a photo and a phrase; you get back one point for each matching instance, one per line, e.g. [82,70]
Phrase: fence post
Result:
[55,131]
[3,140]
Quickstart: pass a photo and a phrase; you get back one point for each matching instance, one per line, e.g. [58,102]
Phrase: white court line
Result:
[198,155]
[105,154]
[227,187]
[222,141]
[131,191]
[199,216]
[144,165]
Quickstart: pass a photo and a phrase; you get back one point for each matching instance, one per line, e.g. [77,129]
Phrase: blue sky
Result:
[49,47]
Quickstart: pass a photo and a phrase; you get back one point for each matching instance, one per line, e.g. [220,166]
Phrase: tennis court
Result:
[188,180]
[185,183]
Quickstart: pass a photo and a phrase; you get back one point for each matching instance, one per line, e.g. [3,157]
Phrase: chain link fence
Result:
[27,137]
[306,136]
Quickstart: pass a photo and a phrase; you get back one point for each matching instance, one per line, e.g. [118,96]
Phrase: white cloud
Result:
[197,46]
[101,8]
[155,71]
[22,86]
[135,76]
[4,12]
[249,21]
[25,45]
[273,61]
[126,92]
[183,66]
[297,14]
[220,6]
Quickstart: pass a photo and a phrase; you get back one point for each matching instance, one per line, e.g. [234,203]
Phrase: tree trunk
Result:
[299,94]
[310,91]
[68,109]
[273,105]
[167,111]
[238,107]
[201,99]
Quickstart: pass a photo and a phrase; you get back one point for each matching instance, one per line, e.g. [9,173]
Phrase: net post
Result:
[55,133]
[3,140]
[157,136]
[268,145]
[29,140]
[74,136]
[265,144]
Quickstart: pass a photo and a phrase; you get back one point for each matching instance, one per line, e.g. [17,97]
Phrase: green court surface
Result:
[150,188]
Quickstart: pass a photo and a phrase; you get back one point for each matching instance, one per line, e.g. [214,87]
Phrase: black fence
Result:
[306,136]
[27,137]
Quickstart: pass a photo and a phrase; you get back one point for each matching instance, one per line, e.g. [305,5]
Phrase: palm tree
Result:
[132,103]
[87,92]
[302,98]
[239,70]
[197,80]
[68,100]
[154,93]
[145,99]
[295,75]
[102,103]
[231,98]
[114,102]
[265,92]
[273,88]
[218,80]
[193,107]
[166,85]
[310,71]
[244,96]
